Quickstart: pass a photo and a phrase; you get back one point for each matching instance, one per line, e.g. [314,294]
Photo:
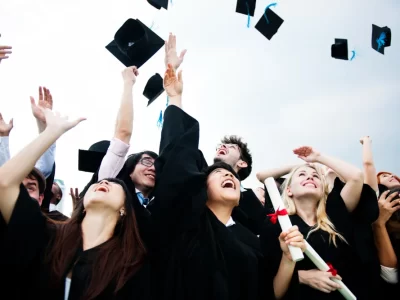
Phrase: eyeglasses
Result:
[147,161]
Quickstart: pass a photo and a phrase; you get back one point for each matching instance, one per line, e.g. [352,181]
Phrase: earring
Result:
[121,213]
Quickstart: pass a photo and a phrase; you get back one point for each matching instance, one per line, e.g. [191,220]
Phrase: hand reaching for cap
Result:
[4,52]
[171,56]
[129,75]
[5,128]
[173,85]
[45,101]
[59,124]
[307,154]
[365,139]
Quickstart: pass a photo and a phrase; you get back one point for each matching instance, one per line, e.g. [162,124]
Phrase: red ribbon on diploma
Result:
[279,212]
[332,269]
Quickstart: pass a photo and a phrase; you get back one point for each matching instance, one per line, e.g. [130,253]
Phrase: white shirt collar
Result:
[230,222]
[52,207]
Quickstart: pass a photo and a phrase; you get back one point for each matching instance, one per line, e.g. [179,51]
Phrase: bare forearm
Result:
[345,170]
[369,166]
[176,100]
[16,169]
[275,173]
[283,277]
[124,125]
[41,126]
[386,254]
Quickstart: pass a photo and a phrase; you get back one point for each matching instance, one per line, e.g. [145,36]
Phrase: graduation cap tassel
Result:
[381,40]
[167,101]
[353,54]
[160,120]
[265,12]
[248,14]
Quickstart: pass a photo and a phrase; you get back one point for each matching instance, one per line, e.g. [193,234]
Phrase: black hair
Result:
[245,154]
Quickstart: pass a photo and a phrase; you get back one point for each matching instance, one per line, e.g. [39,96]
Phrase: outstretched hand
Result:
[5,51]
[5,128]
[45,102]
[171,56]
[173,85]
[59,123]
[307,154]
[129,74]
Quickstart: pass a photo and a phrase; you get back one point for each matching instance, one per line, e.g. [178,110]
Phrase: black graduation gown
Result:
[345,258]
[27,238]
[250,212]
[195,256]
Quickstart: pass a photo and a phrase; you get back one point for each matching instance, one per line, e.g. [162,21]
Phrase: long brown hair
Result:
[115,262]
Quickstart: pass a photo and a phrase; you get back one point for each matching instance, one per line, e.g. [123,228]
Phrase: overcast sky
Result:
[277,94]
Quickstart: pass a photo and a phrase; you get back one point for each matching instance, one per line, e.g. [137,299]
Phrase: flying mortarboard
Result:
[269,23]
[246,7]
[90,160]
[159,3]
[134,43]
[381,38]
[154,88]
[339,49]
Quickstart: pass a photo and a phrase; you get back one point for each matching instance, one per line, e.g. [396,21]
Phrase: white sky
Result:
[277,94]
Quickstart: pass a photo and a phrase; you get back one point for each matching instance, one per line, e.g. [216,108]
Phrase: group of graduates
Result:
[170,226]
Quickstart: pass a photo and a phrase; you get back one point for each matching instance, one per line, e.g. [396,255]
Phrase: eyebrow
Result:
[31,184]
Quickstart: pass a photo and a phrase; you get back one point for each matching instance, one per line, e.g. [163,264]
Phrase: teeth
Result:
[150,176]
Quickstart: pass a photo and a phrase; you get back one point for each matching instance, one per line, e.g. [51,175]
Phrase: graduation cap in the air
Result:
[246,7]
[269,23]
[90,160]
[154,88]
[339,49]
[134,43]
[159,3]
[381,38]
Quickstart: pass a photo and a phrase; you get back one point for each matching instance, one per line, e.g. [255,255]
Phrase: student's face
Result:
[230,154]
[32,186]
[223,186]
[109,195]
[305,182]
[388,180]
[144,174]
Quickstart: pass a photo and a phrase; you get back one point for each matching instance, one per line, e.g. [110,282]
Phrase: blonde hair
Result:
[323,221]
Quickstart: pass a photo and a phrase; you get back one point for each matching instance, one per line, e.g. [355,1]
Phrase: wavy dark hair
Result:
[115,262]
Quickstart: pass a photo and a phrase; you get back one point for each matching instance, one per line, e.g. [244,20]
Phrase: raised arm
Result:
[5,130]
[114,159]
[353,176]
[368,163]
[5,51]
[275,173]
[13,172]
[46,162]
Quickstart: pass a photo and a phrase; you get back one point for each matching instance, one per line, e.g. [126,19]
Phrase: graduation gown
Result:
[250,212]
[194,255]
[349,259]
[22,256]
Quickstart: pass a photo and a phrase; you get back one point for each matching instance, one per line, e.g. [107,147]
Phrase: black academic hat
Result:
[134,43]
[90,160]
[381,38]
[246,7]
[339,49]
[269,24]
[154,88]
[159,3]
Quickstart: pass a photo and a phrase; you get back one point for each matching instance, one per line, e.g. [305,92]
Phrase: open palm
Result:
[306,153]
[171,55]
[173,85]
[45,101]
[4,127]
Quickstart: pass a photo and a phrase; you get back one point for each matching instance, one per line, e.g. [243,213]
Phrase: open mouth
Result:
[222,152]
[151,176]
[101,188]
[228,184]
[309,183]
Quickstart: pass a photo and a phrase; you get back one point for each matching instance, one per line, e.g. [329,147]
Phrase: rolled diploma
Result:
[284,221]
[321,265]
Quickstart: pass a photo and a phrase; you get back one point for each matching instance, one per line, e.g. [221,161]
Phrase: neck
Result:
[145,191]
[97,227]
[222,212]
[306,209]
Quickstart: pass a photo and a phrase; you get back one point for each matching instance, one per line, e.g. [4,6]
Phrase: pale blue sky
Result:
[277,94]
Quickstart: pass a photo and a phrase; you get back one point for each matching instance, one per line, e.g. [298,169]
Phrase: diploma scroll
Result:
[321,265]
[284,221]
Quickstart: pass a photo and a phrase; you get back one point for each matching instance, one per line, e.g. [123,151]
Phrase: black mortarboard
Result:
[339,49]
[154,88]
[246,7]
[134,43]
[90,160]
[381,38]
[269,23]
[159,3]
